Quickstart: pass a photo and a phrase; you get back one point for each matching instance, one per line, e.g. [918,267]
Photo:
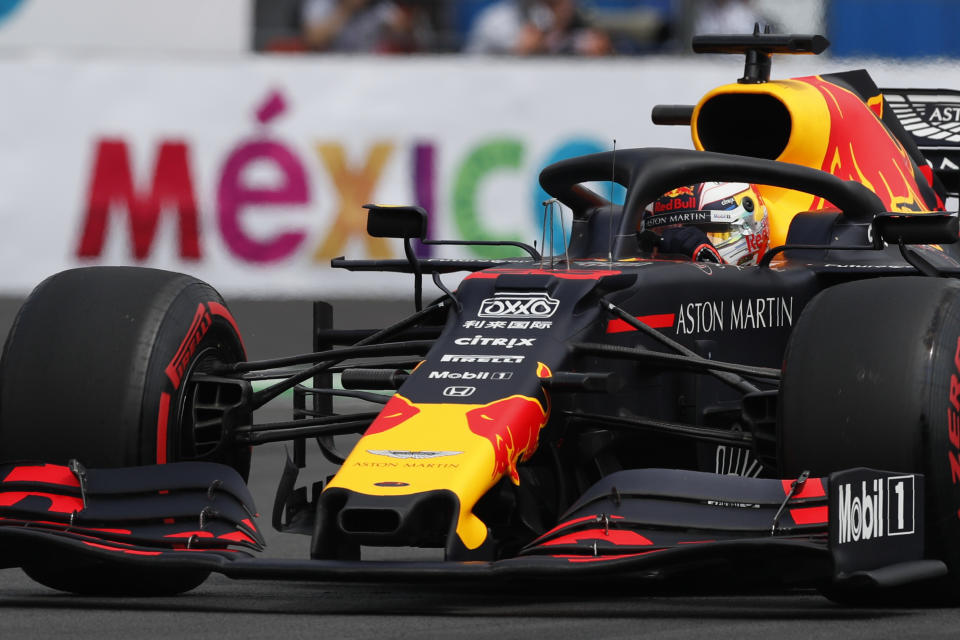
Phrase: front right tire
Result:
[871,378]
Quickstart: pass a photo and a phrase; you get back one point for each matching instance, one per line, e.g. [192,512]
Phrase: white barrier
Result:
[185,27]
[250,172]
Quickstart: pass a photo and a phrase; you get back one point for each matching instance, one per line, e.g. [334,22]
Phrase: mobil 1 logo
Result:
[470,375]
[876,518]
[880,507]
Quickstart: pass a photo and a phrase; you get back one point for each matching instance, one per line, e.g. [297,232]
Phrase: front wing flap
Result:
[144,511]
[858,526]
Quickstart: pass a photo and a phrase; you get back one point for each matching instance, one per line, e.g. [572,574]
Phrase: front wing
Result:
[857,527]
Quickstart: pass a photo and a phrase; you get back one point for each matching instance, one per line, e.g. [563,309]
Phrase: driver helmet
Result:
[732,214]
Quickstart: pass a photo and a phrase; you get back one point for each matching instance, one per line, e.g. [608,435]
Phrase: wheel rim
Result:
[203,428]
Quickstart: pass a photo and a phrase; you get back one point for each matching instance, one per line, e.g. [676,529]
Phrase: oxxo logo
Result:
[507,343]
[519,305]
[884,507]
[459,392]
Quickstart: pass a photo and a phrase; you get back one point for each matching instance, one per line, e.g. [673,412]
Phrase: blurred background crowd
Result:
[593,27]
[499,27]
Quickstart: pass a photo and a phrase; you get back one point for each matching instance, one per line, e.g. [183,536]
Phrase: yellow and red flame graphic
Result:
[512,425]
[397,411]
[832,129]
[860,148]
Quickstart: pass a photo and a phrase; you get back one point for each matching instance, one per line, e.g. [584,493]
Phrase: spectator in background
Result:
[531,27]
[727,16]
[368,26]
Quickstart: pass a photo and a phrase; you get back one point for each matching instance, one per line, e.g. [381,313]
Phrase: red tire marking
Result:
[218,309]
[162,419]
[198,328]
[178,364]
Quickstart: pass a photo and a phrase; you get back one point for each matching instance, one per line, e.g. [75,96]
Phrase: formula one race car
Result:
[614,410]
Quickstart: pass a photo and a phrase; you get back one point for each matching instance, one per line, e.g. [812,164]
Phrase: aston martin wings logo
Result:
[932,117]
[417,455]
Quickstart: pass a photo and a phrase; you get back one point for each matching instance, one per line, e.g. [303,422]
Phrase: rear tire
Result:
[871,378]
[97,367]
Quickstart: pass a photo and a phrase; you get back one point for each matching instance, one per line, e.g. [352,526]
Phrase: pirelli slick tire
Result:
[97,367]
[871,378]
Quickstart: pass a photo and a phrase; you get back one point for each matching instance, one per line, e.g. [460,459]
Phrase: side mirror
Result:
[385,221]
[917,228]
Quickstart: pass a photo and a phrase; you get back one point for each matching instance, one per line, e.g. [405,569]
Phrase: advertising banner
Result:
[250,173]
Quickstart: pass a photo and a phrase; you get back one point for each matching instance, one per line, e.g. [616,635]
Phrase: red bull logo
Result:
[860,148]
[679,199]
[512,425]
[397,411]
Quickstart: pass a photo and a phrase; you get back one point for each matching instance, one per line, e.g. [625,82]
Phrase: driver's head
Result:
[732,214]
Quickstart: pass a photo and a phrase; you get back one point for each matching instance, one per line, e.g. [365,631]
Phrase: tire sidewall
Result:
[872,379]
[940,431]
[197,323]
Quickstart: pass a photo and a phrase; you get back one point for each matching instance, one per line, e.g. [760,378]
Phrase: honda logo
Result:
[459,392]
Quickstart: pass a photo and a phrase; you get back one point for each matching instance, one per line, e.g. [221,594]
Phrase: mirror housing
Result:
[387,221]
[916,228]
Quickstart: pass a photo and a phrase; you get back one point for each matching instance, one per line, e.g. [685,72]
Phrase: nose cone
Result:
[415,452]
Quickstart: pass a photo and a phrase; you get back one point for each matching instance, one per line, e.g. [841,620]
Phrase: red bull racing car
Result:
[791,414]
